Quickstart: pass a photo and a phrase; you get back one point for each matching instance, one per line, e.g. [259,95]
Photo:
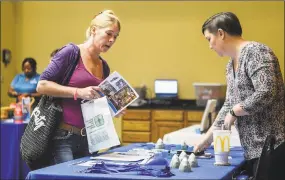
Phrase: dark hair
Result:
[32,62]
[227,21]
[54,52]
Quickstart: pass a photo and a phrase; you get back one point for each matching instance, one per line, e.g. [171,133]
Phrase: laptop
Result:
[166,88]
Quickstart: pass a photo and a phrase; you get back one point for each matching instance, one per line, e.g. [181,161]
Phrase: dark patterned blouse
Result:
[258,86]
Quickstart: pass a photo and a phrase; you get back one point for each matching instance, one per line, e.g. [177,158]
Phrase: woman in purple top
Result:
[70,140]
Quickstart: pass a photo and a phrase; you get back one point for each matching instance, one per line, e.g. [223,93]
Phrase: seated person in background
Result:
[25,84]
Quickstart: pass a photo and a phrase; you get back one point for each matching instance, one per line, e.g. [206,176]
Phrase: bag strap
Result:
[71,69]
[66,79]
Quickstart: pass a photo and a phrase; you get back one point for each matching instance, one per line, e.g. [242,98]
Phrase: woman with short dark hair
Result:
[255,92]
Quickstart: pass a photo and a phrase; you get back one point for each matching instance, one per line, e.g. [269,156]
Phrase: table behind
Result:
[206,169]
[12,165]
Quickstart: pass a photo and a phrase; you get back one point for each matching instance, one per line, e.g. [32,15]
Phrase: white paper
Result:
[93,162]
[121,156]
[88,163]
[100,129]
[118,91]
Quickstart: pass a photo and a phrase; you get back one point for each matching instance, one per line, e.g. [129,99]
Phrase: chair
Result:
[263,164]
[191,133]
[264,161]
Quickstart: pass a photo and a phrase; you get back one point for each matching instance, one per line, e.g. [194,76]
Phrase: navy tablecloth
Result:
[206,169]
[12,166]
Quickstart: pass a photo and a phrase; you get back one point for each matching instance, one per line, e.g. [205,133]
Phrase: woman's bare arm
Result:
[53,89]
[12,92]
[36,94]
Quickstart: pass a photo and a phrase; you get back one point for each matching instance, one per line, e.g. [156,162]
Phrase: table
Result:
[12,166]
[206,169]
[192,133]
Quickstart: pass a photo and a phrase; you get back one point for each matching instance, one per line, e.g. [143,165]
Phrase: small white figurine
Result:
[175,162]
[184,165]
[182,155]
[159,144]
[193,160]
[184,146]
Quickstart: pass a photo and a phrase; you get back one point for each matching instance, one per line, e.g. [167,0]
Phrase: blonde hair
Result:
[102,20]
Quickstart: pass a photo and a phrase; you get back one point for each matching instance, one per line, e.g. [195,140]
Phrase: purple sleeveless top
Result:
[80,78]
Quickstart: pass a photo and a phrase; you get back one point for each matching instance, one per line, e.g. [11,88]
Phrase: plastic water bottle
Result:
[26,109]
[18,114]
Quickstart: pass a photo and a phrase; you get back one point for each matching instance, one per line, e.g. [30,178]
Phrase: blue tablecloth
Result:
[12,166]
[206,169]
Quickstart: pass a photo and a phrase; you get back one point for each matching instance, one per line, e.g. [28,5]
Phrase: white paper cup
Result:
[221,146]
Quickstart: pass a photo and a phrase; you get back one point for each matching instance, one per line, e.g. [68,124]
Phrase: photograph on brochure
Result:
[118,91]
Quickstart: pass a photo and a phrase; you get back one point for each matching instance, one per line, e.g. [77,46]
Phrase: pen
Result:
[75,163]
[129,154]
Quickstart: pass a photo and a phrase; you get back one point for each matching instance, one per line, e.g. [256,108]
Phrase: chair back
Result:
[264,161]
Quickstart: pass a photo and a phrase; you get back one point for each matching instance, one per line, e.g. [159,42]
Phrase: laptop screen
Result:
[166,88]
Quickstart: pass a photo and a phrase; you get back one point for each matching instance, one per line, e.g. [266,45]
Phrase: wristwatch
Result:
[233,113]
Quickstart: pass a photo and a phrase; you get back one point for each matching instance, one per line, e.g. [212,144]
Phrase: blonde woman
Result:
[70,139]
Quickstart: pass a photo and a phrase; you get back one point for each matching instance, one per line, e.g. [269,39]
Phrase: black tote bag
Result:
[36,141]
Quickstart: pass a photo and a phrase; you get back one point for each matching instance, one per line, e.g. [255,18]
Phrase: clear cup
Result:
[222,146]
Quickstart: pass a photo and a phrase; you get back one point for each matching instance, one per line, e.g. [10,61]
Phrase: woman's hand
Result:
[89,93]
[21,96]
[200,146]
[14,93]
[229,121]
[25,95]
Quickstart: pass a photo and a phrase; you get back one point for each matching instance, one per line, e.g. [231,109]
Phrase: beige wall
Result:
[8,41]
[158,39]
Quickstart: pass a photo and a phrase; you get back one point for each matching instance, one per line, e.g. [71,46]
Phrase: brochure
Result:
[118,91]
[121,156]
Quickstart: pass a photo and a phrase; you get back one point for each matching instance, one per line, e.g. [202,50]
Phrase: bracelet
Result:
[233,113]
[75,95]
